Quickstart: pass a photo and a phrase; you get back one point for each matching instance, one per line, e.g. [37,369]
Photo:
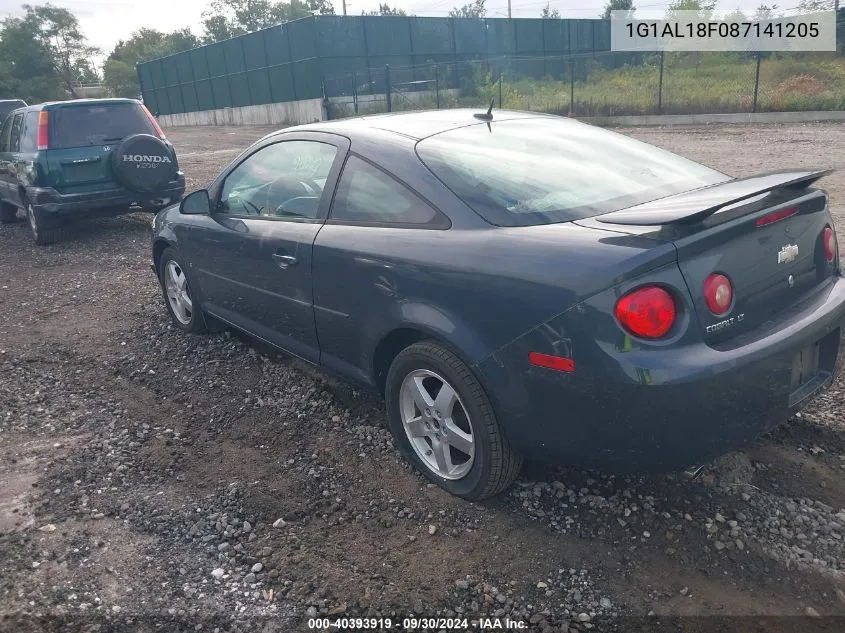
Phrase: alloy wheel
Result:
[437,424]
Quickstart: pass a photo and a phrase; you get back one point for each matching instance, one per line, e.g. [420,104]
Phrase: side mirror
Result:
[196,203]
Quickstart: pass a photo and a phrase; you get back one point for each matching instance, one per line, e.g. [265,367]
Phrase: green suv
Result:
[90,157]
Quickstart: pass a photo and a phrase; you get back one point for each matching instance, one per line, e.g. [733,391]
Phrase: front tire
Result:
[41,234]
[183,307]
[444,424]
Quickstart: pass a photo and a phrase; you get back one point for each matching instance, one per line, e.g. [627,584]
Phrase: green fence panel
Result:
[306,79]
[529,36]
[343,65]
[432,36]
[303,39]
[387,35]
[471,36]
[239,86]
[276,46]
[163,101]
[339,36]
[501,37]
[189,97]
[581,35]
[554,41]
[151,99]
[215,59]
[174,97]
[199,63]
[259,86]
[205,97]
[156,74]
[183,67]
[601,35]
[233,53]
[281,83]
[253,51]
[221,93]
[171,74]
[144,77]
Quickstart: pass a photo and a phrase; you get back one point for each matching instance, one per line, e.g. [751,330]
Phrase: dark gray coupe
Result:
[517,284]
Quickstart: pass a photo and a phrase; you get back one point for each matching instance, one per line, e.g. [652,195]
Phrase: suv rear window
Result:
[96,124]
[544,170]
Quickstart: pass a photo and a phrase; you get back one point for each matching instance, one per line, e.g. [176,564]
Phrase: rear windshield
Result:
[96,124]
[545,170]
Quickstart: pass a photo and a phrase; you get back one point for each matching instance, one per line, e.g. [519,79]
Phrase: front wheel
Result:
[183,307]
[444,423]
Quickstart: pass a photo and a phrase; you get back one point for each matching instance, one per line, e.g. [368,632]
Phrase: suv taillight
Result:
[830,245]
[156,127]
[647,312]
[43,130]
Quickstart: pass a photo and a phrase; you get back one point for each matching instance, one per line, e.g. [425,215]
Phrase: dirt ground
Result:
[155,481]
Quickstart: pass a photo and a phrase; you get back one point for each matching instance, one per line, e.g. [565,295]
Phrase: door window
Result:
[284,181]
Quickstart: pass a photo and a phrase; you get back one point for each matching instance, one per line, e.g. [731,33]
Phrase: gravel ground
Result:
[157,481]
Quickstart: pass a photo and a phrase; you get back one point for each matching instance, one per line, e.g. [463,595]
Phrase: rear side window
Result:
[367,195]
[543,170]
[14,143]
[29,132]
[96,124]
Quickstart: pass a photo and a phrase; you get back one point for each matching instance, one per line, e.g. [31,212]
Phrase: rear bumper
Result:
[659,410]
[54,205]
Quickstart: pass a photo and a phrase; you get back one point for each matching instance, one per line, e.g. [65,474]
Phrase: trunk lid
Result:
[763,233]
[82,138]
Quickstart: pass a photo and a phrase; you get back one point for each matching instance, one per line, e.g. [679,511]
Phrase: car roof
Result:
[415,125]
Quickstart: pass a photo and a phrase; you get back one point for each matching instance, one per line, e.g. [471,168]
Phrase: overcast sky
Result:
[105,22]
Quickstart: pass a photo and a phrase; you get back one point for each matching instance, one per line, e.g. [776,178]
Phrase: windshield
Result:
[544,170]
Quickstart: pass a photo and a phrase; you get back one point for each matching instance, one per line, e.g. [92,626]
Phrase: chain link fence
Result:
[599,84]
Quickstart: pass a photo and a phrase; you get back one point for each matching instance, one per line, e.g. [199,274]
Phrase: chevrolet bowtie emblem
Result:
[788,254]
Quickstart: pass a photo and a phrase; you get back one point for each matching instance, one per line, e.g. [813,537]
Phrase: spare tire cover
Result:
[143,163]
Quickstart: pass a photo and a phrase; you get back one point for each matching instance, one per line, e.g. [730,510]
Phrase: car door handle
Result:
[284,260]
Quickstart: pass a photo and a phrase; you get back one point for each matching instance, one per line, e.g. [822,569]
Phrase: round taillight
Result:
[647,312]
[830,246]
[718,294]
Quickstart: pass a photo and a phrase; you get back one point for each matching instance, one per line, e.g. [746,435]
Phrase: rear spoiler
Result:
[694,206]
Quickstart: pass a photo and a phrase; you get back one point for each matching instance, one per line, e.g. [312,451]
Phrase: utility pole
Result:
[344,7]
[509,7]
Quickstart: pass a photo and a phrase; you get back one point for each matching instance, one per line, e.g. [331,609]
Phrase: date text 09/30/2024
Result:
[417,624]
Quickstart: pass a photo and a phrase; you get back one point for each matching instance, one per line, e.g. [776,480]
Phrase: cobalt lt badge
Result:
[788,254]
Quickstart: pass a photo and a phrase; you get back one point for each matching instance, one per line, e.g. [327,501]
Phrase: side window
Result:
[14,143]
[367,195]
[29,132]
[5,134]
[283,180]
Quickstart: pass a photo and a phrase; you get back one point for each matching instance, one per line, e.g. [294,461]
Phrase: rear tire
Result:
[8,213]
[477,461]
[185,309]
[41,234]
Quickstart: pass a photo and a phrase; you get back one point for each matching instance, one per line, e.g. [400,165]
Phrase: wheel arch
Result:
[159,246]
